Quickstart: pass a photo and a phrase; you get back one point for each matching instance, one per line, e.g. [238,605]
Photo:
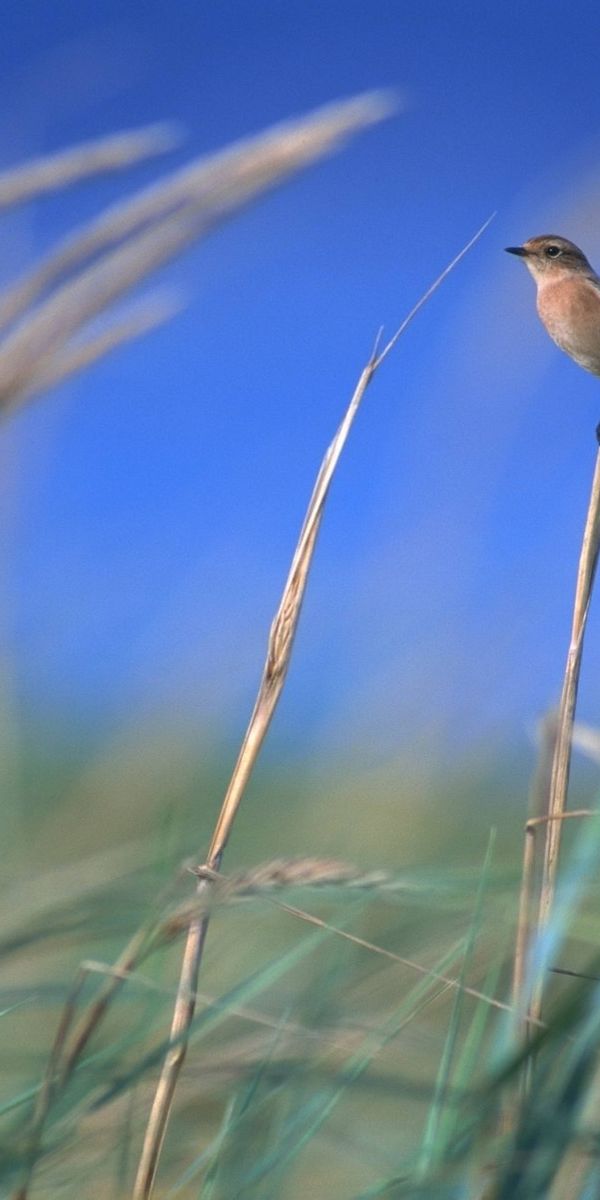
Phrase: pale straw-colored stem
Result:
[566,715]
[279,650]
[525,902]
[525,1017]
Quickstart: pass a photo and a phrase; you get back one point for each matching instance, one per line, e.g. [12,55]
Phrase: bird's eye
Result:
[553,251]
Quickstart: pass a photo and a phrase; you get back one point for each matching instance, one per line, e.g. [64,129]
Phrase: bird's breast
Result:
[570,309]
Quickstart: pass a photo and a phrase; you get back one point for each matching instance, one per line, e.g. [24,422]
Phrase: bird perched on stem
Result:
[568,296]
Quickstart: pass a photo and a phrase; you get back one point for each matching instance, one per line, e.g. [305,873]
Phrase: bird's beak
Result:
[520,250]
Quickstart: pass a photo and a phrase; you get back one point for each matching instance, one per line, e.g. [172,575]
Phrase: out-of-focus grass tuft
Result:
[322,1060]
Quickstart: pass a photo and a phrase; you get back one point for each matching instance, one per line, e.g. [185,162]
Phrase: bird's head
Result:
[549,257]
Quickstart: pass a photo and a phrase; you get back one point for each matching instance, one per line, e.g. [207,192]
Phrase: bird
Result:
[568,296]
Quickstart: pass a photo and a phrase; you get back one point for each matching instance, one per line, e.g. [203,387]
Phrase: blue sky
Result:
[151,506]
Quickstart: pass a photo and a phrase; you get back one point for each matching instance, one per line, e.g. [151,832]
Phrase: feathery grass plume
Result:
[137,236]
[209,187]
[53,172]
[140,320]
[293,872]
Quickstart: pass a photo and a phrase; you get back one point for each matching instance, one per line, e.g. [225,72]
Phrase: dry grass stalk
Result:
[526,1015]
[279,650]
[418,968]
[54,172]
[39,352]
[566,715]
[137,236]
[549,795]
[526,899]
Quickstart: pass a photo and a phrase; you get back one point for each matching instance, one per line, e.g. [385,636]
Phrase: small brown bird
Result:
[568,296]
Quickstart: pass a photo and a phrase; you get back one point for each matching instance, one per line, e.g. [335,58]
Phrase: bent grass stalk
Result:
[279,651]
[40,351]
